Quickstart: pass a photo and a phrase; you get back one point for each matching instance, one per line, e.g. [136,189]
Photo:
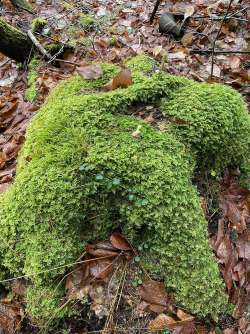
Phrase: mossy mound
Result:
[217,128]
[81,173]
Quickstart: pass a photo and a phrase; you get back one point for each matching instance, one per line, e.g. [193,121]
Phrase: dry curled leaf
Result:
[90,72]
[102,249]
[119,242]
[122,80]
[187,39]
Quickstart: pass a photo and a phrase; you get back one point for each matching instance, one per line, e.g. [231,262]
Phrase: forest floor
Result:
[209,48]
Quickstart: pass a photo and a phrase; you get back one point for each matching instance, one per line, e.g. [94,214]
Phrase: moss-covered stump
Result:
[81,173]
[13,42]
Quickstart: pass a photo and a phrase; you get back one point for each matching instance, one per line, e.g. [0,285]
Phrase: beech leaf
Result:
[122,80]
[119,242]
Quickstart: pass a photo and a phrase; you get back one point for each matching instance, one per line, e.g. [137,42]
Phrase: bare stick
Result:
[218,18]
[38,45]
[218,33]
[205,51]
[155,10]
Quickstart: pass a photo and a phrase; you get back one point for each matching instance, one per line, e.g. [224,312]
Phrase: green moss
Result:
[32,90]
[112,41]
[217,128]
[86,21]
[81,174]
[38,24]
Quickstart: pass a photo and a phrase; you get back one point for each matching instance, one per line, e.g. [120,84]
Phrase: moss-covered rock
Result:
[81,173]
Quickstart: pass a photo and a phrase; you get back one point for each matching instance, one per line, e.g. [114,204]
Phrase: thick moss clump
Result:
[217,128]
[38,24]
[81,173]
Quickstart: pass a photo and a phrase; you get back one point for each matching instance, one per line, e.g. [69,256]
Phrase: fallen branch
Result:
[38,45]
[13,42]
[22,4]
[201,51]
[218,33]
[155,10]
[218,18]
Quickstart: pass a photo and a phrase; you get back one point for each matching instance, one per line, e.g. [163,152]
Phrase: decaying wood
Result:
[22,4]
[14,43]
[39,46]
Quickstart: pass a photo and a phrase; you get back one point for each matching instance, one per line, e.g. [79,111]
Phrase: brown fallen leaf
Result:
[162,321]
[102,249]
[187,39]
[235,204]
[100,269]
[154,292]
[11,315]
[122,80]
[184,316]
[119,242]
[90,72]
[243,246]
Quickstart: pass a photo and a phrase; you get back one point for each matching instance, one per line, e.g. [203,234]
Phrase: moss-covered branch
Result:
[13,42]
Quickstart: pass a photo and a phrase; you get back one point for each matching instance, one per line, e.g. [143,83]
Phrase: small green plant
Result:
[112,41]
[86,21]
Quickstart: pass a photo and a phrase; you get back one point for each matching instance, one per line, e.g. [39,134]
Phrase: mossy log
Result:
[81,174]
[22,4]
[14,43]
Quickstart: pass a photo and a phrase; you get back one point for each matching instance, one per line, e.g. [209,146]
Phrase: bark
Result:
[13,42]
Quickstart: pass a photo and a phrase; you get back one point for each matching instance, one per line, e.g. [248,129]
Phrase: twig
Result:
[218,33]
[54,268]
[55,55]
[218,18]
[154,10]
[38,45]
[201,51]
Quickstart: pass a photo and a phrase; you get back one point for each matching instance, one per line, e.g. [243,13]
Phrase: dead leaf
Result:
[189,11]
[11,315]
[119,242]
[102,249]
[122,80]
[243,247]
[137,133]
[101,269]
[154,292]
[90,72]
[157,50]
[184,316]
[234,62]
[162,321]
[177,55]
[216,70]
[187,39]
